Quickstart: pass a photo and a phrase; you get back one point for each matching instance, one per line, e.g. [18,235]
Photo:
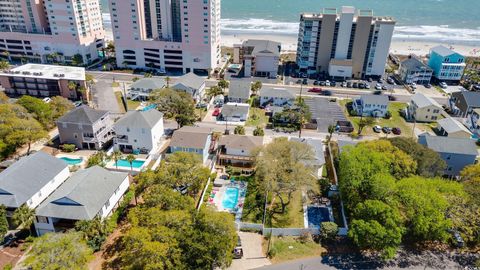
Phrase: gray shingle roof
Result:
[140,119]
[243,142]
[414,64]
[190,137]
[374,99]
[451,125]
[83,195]
[441,144]
[83,115]
[24,178]
[239,89]
[189,80]
[423,101]
[149,83]
[262,46]
[317,148]
[275,92]
[442,50]
[235,109]
[471,98]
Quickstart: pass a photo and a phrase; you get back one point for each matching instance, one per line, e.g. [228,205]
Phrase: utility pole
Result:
[301,116]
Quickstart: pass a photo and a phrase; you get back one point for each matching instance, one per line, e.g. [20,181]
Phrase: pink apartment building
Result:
[50,30]
[168,35]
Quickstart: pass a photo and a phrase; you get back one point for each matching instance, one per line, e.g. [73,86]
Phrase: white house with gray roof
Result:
[235,112]
[239,91]
[275,96]
[31,179]
[371,105]
[259,57]
[139,131]
[191,84]
[424,109]
[87,194]
[141,89]
[85,127]
[457,152]
[451,127]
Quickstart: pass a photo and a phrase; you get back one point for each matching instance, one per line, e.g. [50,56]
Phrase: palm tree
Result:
[116,155]
[256,86]
[130,158]
[72,86]
[4,65]
[24,217]
[167,80]
[7,54]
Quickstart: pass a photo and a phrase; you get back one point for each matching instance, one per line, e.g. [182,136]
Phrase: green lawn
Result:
[131,104]
[395,121]
[290,248]
[253,208]
[293,216]
[256,117]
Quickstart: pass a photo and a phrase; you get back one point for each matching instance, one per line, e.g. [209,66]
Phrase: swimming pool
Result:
[230,198]
[316,215]
[135,164]
[72,161]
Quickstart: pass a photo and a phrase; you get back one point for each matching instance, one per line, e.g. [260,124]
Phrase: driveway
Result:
[103,96]
[253,256]
[325,111]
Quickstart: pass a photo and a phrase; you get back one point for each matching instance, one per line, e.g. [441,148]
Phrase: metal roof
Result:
[451,145]
[140,119]
[83,115]
[423,101]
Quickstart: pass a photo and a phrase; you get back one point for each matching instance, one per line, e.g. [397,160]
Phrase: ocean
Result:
[450,21]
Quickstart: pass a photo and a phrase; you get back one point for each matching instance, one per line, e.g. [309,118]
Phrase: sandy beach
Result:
[400,47]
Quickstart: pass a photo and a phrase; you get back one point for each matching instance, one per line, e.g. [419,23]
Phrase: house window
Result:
[41,219]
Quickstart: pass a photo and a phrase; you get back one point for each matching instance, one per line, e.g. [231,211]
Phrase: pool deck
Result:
[220,193]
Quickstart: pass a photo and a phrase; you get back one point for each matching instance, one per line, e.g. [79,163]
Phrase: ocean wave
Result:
[442,33]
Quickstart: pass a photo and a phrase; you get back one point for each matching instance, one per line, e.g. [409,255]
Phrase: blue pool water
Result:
[72,161]
[230,198]
[135,164]
[316,215]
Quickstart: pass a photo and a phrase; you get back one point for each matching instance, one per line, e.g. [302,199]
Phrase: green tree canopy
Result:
[377,226]
[429,162]
[60,106]
[54,251]
[3,221]
[94,231]
[175,105]
[281,169]
[38,108]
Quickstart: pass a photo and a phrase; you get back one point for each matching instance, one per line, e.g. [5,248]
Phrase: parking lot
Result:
[326,111]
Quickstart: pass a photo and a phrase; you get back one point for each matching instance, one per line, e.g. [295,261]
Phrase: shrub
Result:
[305,237]
[240,130]
[258,131]
[68,148]
[388,115]
[328,230]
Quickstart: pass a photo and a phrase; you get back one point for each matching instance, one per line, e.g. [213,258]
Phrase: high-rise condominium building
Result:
[345,44]
[168,35]
[50,30]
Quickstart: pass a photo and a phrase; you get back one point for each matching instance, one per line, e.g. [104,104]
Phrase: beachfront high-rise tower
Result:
[168,35]
[344,44]
[50,30]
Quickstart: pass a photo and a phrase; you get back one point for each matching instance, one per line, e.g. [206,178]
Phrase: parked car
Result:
[370,79]
[316,82]
[355,85]
[390,80]
[322,83]
[378,86]
[327,93]
[216,112]
[201,105]
[443,85]
[380,81]
[333,83]
[414,86]
[305,81]
[396,131]
[77,103]
[367,86]
[428,85]
[327,83]
[315,90]
[387,130]
[344,84]
[377,129]
[384,87]
[299,81]
[349,84]
[392,98]
[377,92]
[361,85]
[47,100]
